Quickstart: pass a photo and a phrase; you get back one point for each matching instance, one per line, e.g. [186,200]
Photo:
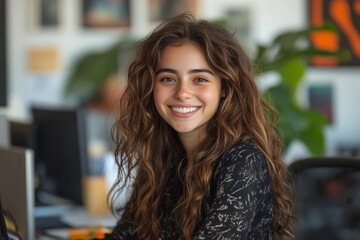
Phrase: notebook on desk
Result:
[17,188]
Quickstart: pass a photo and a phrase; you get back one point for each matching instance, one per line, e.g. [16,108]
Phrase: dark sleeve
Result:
[242,190]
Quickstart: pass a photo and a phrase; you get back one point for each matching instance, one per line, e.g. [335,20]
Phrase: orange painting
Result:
[345,14]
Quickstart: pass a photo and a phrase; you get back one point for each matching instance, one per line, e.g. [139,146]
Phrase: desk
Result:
[76,217]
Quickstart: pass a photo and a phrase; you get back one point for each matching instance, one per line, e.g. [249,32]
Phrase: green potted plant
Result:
[288,56]
[88,77]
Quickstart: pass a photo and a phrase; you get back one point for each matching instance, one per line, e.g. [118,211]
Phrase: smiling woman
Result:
[216,171]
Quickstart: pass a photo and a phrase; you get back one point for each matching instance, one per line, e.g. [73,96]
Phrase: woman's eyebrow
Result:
[166,70]
[202,70]
[197,70]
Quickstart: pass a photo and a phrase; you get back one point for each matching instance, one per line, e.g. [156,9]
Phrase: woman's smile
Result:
[184,109]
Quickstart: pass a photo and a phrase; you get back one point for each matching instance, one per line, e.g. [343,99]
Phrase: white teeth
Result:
[184,110]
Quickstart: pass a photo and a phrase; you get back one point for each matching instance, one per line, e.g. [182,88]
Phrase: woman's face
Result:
[187,91]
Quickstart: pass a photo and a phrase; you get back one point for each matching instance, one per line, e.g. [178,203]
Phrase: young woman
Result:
[197,142]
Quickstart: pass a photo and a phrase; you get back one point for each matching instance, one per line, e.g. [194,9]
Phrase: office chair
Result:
[326,198]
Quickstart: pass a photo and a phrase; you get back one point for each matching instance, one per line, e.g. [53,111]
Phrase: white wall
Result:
[268,18]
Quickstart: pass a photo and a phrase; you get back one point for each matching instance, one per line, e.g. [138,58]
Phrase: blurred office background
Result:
[46,38]
[59,57]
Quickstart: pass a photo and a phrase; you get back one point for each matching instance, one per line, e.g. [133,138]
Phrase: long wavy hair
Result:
[147,146]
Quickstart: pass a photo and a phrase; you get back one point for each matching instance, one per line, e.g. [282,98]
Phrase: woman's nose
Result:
[183,91]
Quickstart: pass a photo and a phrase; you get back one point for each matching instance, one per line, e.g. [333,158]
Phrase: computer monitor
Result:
[59,143]
[17,188]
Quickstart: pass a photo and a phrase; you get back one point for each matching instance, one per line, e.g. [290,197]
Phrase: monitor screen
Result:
[59,143]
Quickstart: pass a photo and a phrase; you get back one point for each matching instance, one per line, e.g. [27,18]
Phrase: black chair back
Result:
[326,195]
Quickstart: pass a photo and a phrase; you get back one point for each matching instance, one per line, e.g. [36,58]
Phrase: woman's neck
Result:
[191,142]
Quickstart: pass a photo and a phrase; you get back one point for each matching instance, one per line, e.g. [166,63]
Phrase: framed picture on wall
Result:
[345,15]
[45,14]
[239,22]
[163,9]
[321,100]
[105,13]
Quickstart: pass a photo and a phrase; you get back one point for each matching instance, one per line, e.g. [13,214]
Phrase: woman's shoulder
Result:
[243,150]
[243,155]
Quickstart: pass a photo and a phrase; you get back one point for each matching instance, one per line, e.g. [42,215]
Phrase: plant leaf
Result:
[291,73]
[296,122]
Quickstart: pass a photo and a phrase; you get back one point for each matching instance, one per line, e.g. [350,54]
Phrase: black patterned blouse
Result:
[238,206]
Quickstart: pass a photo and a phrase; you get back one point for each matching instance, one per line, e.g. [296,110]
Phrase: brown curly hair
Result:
[145,143]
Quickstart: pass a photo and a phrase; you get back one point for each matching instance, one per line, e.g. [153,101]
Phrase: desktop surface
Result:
[73,220]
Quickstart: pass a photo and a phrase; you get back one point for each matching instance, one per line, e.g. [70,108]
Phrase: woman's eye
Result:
[167,79]
[200,80]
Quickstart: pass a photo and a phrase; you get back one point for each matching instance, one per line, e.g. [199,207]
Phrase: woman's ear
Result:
[223,93]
